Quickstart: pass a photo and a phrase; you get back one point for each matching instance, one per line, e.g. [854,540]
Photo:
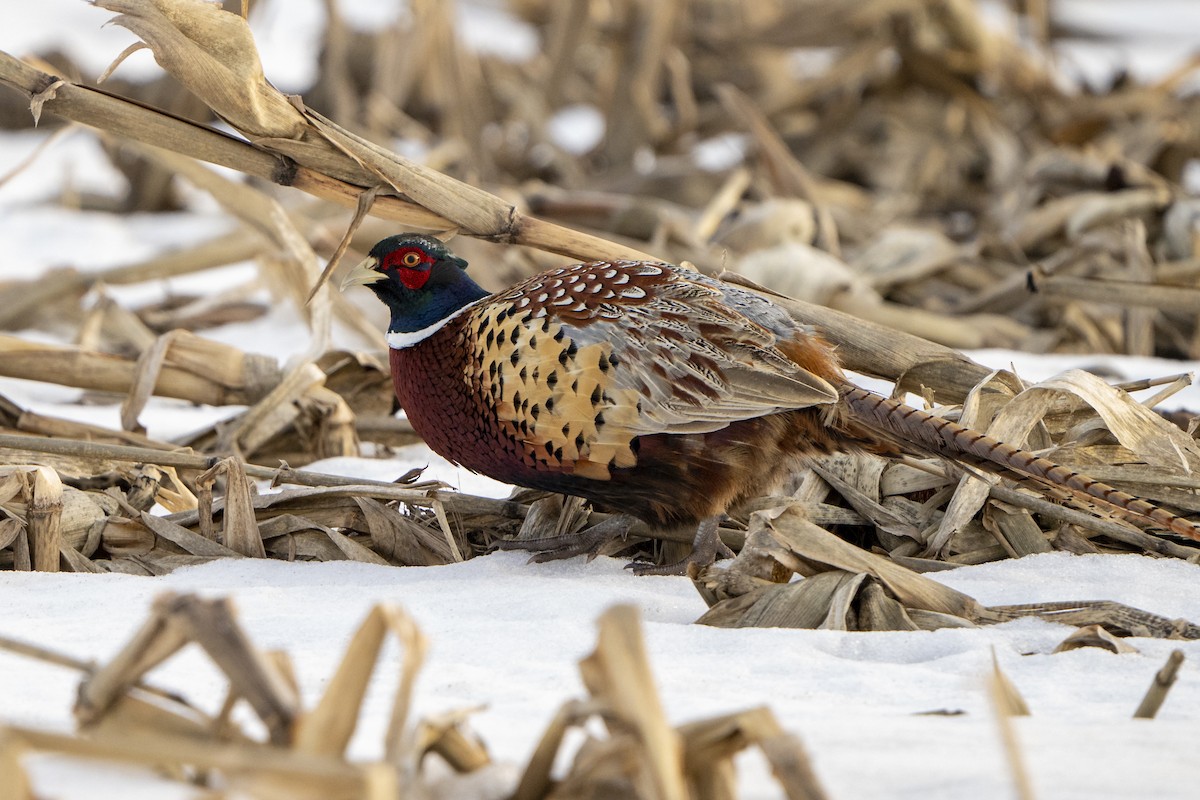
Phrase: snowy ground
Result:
[507,635]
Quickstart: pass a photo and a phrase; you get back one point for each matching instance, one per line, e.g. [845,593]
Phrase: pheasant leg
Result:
[586,542]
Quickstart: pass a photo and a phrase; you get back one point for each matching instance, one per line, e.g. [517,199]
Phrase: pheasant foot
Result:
[586,542]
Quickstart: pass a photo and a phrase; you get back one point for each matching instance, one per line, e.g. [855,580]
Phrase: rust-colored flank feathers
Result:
[648,389]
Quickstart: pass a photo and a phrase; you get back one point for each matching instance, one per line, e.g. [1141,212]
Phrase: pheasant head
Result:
[421,282]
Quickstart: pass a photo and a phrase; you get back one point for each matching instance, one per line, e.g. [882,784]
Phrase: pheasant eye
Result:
[410,259]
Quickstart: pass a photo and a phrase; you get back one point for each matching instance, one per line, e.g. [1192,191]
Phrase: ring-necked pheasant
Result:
[646,388]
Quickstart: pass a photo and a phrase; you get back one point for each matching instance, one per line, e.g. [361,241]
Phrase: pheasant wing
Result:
[590,357]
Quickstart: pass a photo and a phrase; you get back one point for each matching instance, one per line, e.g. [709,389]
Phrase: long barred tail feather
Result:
[945,437]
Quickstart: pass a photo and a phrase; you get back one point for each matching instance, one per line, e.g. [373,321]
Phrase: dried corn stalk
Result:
[847,588]
[126,719]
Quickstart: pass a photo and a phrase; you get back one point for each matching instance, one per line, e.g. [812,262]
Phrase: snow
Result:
[721,152]
[506,634]
[577,128]
[403,459]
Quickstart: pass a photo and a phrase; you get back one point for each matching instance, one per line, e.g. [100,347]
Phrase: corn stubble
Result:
[932,187]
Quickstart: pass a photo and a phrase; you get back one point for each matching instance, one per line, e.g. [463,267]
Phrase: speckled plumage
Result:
[647,388]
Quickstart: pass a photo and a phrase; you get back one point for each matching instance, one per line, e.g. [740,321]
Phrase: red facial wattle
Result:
[414,278]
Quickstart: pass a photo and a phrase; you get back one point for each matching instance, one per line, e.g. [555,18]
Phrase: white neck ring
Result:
[399,340]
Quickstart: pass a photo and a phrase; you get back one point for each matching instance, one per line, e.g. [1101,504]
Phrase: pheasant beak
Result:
[363,274]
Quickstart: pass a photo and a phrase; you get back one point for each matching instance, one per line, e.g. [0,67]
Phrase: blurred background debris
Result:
[946,174]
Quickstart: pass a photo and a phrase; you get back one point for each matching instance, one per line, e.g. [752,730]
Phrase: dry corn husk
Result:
[123,718]
[846,588]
